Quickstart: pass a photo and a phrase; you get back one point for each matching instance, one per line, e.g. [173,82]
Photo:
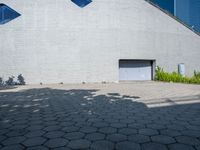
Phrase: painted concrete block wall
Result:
[56,41]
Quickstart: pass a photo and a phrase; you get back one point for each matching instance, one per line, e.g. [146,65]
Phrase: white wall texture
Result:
[56,41]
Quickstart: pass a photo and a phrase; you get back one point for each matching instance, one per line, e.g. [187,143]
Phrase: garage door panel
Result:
[135,70]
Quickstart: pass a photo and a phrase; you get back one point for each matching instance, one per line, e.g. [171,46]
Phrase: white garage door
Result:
[130,70]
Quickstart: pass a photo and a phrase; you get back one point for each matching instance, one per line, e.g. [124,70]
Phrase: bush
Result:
[10,81]
[161,75]
[21,80]
[1,81]
[196,74]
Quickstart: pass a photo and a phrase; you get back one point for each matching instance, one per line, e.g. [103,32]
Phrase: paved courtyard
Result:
[125,116]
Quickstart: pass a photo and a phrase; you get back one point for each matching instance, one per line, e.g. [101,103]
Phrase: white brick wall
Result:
[56,41]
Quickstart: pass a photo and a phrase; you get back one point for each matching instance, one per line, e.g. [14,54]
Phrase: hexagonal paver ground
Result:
[95,136]
[127,146]
[74,135]
[58,142]
[13,147]
[153,146]
[79,144]
[188,140]
[54,134]
[137,138]
[163,139]
[124,116]
[13,140]
[37,148]
[105,145]
[178,146]
[35,141]
[116,137]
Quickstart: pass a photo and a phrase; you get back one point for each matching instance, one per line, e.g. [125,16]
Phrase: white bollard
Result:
[181,69]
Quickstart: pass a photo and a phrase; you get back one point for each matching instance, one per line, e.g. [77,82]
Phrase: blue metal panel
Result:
[167,5]
[7,14]
[81,3]
[187,11]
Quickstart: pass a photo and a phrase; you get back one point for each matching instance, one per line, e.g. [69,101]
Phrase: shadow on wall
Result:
[45,106]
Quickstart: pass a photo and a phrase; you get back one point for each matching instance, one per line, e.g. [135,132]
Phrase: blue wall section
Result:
[187,11]
[81,3]
[167,5]
[7,14]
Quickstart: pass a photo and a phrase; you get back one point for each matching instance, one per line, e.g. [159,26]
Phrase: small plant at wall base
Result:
[1,81]
[10,81]
[196,74]
[162,75]
[21,80]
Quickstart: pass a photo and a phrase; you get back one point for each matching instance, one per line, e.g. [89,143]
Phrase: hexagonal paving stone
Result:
[54,134]
[13,140]
[95,136]
[110,120]
[170,132]
[102,145]
[35,133]
[4,131]
[193,133]
[70,129]
[118,125]
[79,144]
[153,146]
[13,147]
[138,138]
[37,148]
[20,132]
[66,124]
[127,146]
[198,147]
[100,124]
[50,123]
[128,120]
[156,126]
[88,129]
[116,137]
[35,127]
[35,141]
[62,148]
[148,132]
[136,125]
[2,138]
[18,127]
[52,128]
[176,127]
[58,142]
[188,140]
[163,139]
[74,135]
[108,130]
[127,131]
[178,146]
